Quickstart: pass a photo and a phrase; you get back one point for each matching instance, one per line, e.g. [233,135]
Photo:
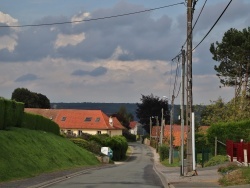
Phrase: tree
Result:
[151,106]
[30,99]
[124,117]
[233,54]
[219,111]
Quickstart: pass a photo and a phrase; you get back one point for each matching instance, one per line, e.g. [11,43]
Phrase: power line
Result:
[92,19]
[195,22]
[213,25]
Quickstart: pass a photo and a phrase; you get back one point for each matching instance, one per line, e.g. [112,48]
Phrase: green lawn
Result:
[26,153]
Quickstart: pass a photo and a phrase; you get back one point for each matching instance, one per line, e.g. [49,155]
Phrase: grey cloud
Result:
[99,71]
[27,77]
[140,34]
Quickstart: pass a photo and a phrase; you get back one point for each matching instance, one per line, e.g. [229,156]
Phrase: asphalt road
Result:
[136,172]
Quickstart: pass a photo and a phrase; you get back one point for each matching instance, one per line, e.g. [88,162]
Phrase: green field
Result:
[27,153]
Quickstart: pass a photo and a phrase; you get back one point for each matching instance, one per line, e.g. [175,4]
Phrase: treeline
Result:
[12,115]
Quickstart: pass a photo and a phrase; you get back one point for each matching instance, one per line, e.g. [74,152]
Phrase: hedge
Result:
[119,146]
[37,122]
[11,113]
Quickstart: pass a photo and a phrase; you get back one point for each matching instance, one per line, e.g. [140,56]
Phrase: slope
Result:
[26,153]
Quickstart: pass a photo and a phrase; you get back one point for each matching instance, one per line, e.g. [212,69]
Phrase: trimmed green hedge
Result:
[11,113]
[37,122]
[119,146]
[228,131]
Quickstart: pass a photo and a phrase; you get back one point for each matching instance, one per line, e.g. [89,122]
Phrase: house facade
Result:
[136,128]
[176,130]
[75,122]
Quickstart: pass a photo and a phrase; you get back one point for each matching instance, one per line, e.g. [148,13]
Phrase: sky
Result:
[111,60]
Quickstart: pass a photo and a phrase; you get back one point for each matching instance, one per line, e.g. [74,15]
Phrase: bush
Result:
[99,138]
[91,146]
[228,168]
[130,137]
[119,145]
[216,160]
[232,130]
[163,152]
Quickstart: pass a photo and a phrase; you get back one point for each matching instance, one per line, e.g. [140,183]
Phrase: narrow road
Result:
[136,172]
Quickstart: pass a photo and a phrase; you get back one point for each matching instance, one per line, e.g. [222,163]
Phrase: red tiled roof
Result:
[176,129]
[75,119]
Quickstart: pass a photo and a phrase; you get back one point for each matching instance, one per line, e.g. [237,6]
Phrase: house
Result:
[76,122]
[176,130]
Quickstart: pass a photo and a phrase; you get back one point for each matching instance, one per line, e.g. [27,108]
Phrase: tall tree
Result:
[30,99]
[233,54]
[151,106]
[124,117]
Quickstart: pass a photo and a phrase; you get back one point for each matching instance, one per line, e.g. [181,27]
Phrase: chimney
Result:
[111,121]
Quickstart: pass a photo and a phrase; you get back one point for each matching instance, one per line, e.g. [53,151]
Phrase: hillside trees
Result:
[220,111]
[151,106]
[30,99]
[233,54]
[123,116]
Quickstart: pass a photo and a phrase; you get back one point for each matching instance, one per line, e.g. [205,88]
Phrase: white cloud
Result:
[79,17]
[7,19]
[65,40]
[118,52]
[8,42]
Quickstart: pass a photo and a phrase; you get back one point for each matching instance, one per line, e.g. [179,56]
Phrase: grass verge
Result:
[26,153]
[234,175]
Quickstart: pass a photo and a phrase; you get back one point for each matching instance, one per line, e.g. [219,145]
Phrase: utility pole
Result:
[162,127]
[189,105]
[182,111]
[171,131]
[150,128]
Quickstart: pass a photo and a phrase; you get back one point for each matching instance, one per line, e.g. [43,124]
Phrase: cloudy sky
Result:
[110,60]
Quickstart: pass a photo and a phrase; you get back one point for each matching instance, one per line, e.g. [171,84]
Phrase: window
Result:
[97,119]
[88,119]
[79,132]
[63,118]
[99,132]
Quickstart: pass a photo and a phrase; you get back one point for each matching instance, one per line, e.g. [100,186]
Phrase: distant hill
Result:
[107,108]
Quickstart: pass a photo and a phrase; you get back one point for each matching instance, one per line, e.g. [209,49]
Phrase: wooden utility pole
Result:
[189,86]
[171,131]
[182,110]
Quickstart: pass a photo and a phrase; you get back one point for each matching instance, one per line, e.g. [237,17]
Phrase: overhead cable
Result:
[91,19]
[213,25]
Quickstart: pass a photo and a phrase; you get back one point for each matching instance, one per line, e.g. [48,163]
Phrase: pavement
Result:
[171,178]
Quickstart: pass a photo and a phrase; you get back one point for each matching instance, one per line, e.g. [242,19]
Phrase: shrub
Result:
[163,152]
[130,137]
[216,160]
[227,168]
[91,146]
[99,138]
[119,145]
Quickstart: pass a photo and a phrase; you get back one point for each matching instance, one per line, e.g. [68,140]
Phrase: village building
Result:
[75,122]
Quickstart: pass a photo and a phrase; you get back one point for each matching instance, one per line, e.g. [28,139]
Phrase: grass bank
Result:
[26,153]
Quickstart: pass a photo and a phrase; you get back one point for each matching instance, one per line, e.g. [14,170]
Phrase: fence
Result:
[239,151]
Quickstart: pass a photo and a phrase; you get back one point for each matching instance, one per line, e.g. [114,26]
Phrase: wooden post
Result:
[215,146]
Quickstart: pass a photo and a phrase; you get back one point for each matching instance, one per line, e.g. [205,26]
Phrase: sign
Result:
[107,151]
